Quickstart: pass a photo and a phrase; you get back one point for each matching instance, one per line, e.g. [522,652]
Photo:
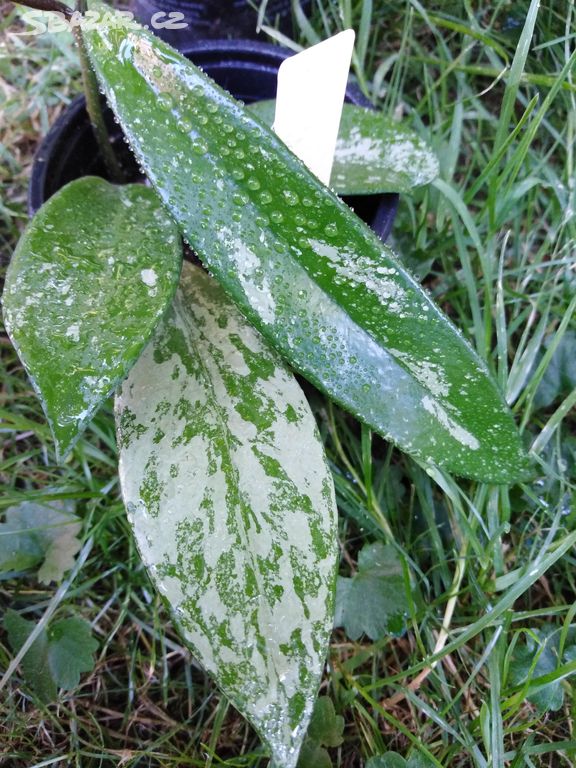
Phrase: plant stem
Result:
[94,106]
[47,5]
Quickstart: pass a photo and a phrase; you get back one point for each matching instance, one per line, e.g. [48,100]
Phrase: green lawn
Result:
[472,664]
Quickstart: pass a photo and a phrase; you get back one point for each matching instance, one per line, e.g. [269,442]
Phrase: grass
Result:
[492,87]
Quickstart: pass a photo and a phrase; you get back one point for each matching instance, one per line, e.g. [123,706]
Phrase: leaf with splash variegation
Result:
[91,276]
[374,153]
[232,504]
[322,289]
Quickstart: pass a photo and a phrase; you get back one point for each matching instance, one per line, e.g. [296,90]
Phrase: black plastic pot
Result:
[211,19]
[248,69]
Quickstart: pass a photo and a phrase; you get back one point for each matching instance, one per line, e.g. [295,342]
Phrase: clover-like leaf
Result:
[538,656]
[57,657]
[71,648]
[39,534]
[394,760]
[35,668]
[91,276]
[232,504]
[312,755]
[375,600]
[560,376]
[326,727]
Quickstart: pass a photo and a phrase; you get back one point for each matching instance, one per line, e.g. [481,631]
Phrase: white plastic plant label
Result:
[311,89]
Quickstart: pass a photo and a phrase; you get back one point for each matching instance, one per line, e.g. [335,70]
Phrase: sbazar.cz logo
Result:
[41,22]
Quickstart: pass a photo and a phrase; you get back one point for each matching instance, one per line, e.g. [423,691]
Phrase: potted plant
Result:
[247,69]
[180,21]
[221,465]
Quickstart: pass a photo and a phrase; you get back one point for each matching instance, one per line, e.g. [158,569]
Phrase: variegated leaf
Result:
[232,504]
[314,279]
[374,153]
[91,276]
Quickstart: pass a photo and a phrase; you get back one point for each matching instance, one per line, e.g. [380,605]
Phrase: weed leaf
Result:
[58,655]
[232,504]
[35,668]
[326,727]
[394,760]
[388,760]
[536,657]
[43,534]
[71,649]
[91,276]
[560,375]
[312,755]
[375,600]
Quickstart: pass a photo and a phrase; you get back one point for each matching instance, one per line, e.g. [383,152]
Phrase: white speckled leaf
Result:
[373,153]
[303,268]
[91,276]
[232,504]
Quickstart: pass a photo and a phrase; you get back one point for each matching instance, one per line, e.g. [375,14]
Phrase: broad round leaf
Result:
[232,504]
[374,153]
[89,280]
[310,275]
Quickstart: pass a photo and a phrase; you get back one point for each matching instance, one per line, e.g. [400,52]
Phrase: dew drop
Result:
[165,101]
[185,125]
[331,229]
[290,197]
[199,147]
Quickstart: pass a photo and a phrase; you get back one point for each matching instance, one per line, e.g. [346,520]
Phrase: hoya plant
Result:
[221,465]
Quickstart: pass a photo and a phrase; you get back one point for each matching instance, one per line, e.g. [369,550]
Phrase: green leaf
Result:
[312,277]
[536,657]
[326,727]
[375,601]
[91,276]
[57,656]
[312,755]
[394,760]
[19,548]
[34,665]
[325,730]
[39,533]
[388,760]
[560,375]
[70,651]
[374,153]
[232,504]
